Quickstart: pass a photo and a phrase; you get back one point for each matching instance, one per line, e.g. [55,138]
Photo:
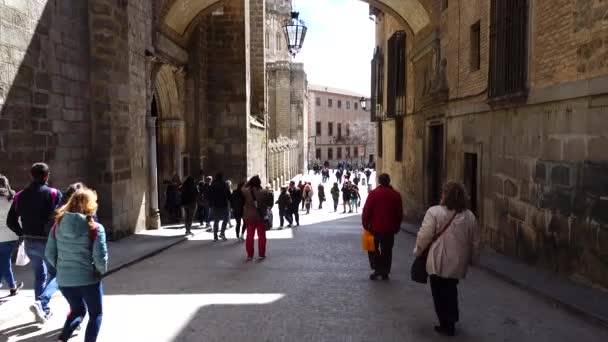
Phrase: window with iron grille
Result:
[356,105]
[397,64]
[380,139]
[475,46]
[318,154]
[318,128]
[348,130]
[339,131]
[377,85]
[399,139]
[318,101]
[347,104]
[330,153]
[508,49]
[330,103]
[339,103]
[339,152]
[330,129]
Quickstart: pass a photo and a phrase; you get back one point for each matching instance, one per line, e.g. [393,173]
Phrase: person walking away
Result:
[308,195]
[189,195]
[382,215]
[346,196]
[77,249]
[335,195]
[368,174]
[347,175]
[284,203]
[321,194]
[229,185]
[237,202]
[8,239]
[355,198]
[173,199]
[269,213]
[356,179]
[451,254]
[257,201]
[205,195]
[35,208]
[302,185]
[296,198]
[220,196]
[339,176]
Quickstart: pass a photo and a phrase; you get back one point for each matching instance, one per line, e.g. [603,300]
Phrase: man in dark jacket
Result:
[219,197]
[284,203]
[382,215]
[296,198]
[35,206]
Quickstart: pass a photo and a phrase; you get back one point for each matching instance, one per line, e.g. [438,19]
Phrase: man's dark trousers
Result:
[294,212]
[382,259]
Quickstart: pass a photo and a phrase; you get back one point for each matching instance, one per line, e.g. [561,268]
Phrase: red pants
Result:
[252,227]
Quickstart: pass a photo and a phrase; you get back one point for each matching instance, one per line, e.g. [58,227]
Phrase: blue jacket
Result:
[35,205]
[79,254]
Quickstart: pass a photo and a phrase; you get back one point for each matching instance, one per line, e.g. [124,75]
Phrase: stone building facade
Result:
[340,129]
[286,90]
[511,99]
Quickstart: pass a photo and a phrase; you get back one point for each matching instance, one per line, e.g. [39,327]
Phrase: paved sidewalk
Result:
[590,303]
[122,253]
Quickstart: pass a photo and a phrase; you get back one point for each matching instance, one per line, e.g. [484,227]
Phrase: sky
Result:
[339,45]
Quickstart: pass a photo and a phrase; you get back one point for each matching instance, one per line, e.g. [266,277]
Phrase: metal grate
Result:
[397,75]
[508,53]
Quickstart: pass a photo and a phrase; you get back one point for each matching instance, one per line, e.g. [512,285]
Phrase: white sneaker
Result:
[39,314]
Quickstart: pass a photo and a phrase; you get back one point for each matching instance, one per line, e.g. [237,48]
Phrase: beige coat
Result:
[456,249]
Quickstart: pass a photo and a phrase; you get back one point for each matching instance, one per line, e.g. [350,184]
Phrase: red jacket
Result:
[383,210]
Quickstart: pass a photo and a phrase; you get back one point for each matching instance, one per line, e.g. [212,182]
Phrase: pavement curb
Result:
[569,307]
[144,257]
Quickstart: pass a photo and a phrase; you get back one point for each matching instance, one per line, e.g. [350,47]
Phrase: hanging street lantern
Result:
[295,32]
[363,103]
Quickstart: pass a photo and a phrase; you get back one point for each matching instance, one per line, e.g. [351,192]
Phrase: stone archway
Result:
[169,129]
[180,14]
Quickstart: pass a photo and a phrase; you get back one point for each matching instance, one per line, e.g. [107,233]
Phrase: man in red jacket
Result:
[382,215]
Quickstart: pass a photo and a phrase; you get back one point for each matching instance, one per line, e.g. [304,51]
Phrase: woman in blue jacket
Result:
[77,249]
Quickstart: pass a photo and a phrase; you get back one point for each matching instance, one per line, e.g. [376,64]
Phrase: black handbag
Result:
[418,271]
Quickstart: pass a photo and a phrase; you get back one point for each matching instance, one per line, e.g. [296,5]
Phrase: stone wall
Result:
[541,162]
[227,90]
[287,104]
[44,93]
[283,161]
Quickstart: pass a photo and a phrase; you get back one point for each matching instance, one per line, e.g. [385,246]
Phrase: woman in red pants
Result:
[257,203]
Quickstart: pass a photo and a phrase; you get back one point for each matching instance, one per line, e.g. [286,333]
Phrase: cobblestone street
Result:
[312,287]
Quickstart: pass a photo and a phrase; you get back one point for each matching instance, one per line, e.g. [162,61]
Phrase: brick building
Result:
[510,98]
[340,129]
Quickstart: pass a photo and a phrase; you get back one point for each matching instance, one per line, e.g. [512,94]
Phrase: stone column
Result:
[154,212]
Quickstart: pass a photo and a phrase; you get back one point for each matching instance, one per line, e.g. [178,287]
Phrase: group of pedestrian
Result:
[449,234]
[65,244]
[351,197]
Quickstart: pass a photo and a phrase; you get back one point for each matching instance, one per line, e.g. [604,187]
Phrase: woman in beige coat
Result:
[451,254]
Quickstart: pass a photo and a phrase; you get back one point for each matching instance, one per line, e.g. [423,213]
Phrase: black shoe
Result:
[445,331]
[374,276]
[385,277]
[18,287]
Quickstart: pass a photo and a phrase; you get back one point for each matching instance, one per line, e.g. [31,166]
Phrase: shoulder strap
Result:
[445,227]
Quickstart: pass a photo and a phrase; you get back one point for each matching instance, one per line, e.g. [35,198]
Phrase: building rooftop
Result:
[324,89]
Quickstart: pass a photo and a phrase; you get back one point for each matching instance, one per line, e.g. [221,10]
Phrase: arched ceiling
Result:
[182,12]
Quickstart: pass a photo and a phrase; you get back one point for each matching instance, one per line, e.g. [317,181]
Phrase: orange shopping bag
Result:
[369,244]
